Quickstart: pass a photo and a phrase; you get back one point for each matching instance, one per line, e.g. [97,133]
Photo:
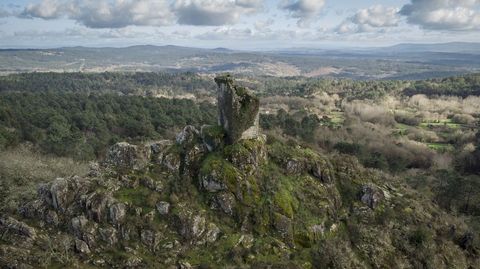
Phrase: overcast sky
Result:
[238,24]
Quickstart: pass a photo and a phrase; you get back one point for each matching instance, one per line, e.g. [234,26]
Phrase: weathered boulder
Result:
[117,213]
[188,136]
[149,216]
[190,226]
[238,110]
[213,137]
[163,207]
[97,204]
[63,193]
[158,150]
[150,238]
[246,241]
[217,174]
[295,167]
[189,150]
[44,194]
[108,235]
[283,225]
[248,154]
[316,231]
[212,233]
[11,225]
[172,159]
[81,247]
[133,261]
[212,182]
[51,217]
[59,194]
[33,209]
[184,265]
[152,184]
[124,156]
[94,169]
[191,158]
[78,225]
[226,202]
[371,195]
[322,171]
[84,230]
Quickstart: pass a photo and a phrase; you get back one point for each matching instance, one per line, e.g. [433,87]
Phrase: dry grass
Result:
[22,169]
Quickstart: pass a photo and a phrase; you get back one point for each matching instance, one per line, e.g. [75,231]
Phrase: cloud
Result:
[377,16]
[46,9]
[213,12]
[85,33]
[104,13]
[4,13]
[122,13]
[124,33]
[250,4]
[370,19]
[262,25]
[44,34]
[453,15]
[266,34]
[181,34]
[226,33]
[346,27]
[304,10]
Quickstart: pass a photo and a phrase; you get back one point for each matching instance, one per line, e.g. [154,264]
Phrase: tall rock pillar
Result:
[238,110]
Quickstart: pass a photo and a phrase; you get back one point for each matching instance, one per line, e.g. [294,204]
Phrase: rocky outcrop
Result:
[372,195]
[96,206]
[124,156]
[85,230]
[158,150]
[191,226]
[117,213]
[81,247]
[9,225]
[238,110]
[213,137]
[214,180]
[226,202]
[150,238]
[224,197]
[284,226]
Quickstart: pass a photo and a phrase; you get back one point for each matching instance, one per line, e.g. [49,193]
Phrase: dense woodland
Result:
[82,126]
[142,83]
[120,83]
[454,86]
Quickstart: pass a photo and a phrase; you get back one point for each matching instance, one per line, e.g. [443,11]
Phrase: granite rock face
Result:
[238,110]
[372,195]
[124,156]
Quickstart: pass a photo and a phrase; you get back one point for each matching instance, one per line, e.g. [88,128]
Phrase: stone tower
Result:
[238,110]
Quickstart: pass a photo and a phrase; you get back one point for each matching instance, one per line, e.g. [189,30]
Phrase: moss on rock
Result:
[238,110]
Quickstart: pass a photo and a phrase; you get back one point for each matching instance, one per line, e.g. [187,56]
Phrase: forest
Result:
[82,126]
[138,83]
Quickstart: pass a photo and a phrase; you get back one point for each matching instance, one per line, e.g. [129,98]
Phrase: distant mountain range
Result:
[403,61]
[453,47]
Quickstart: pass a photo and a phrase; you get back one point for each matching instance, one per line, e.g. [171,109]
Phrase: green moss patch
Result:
[224,171]
[139,197]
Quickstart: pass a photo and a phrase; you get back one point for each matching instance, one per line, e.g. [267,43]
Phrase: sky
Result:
[236,24]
